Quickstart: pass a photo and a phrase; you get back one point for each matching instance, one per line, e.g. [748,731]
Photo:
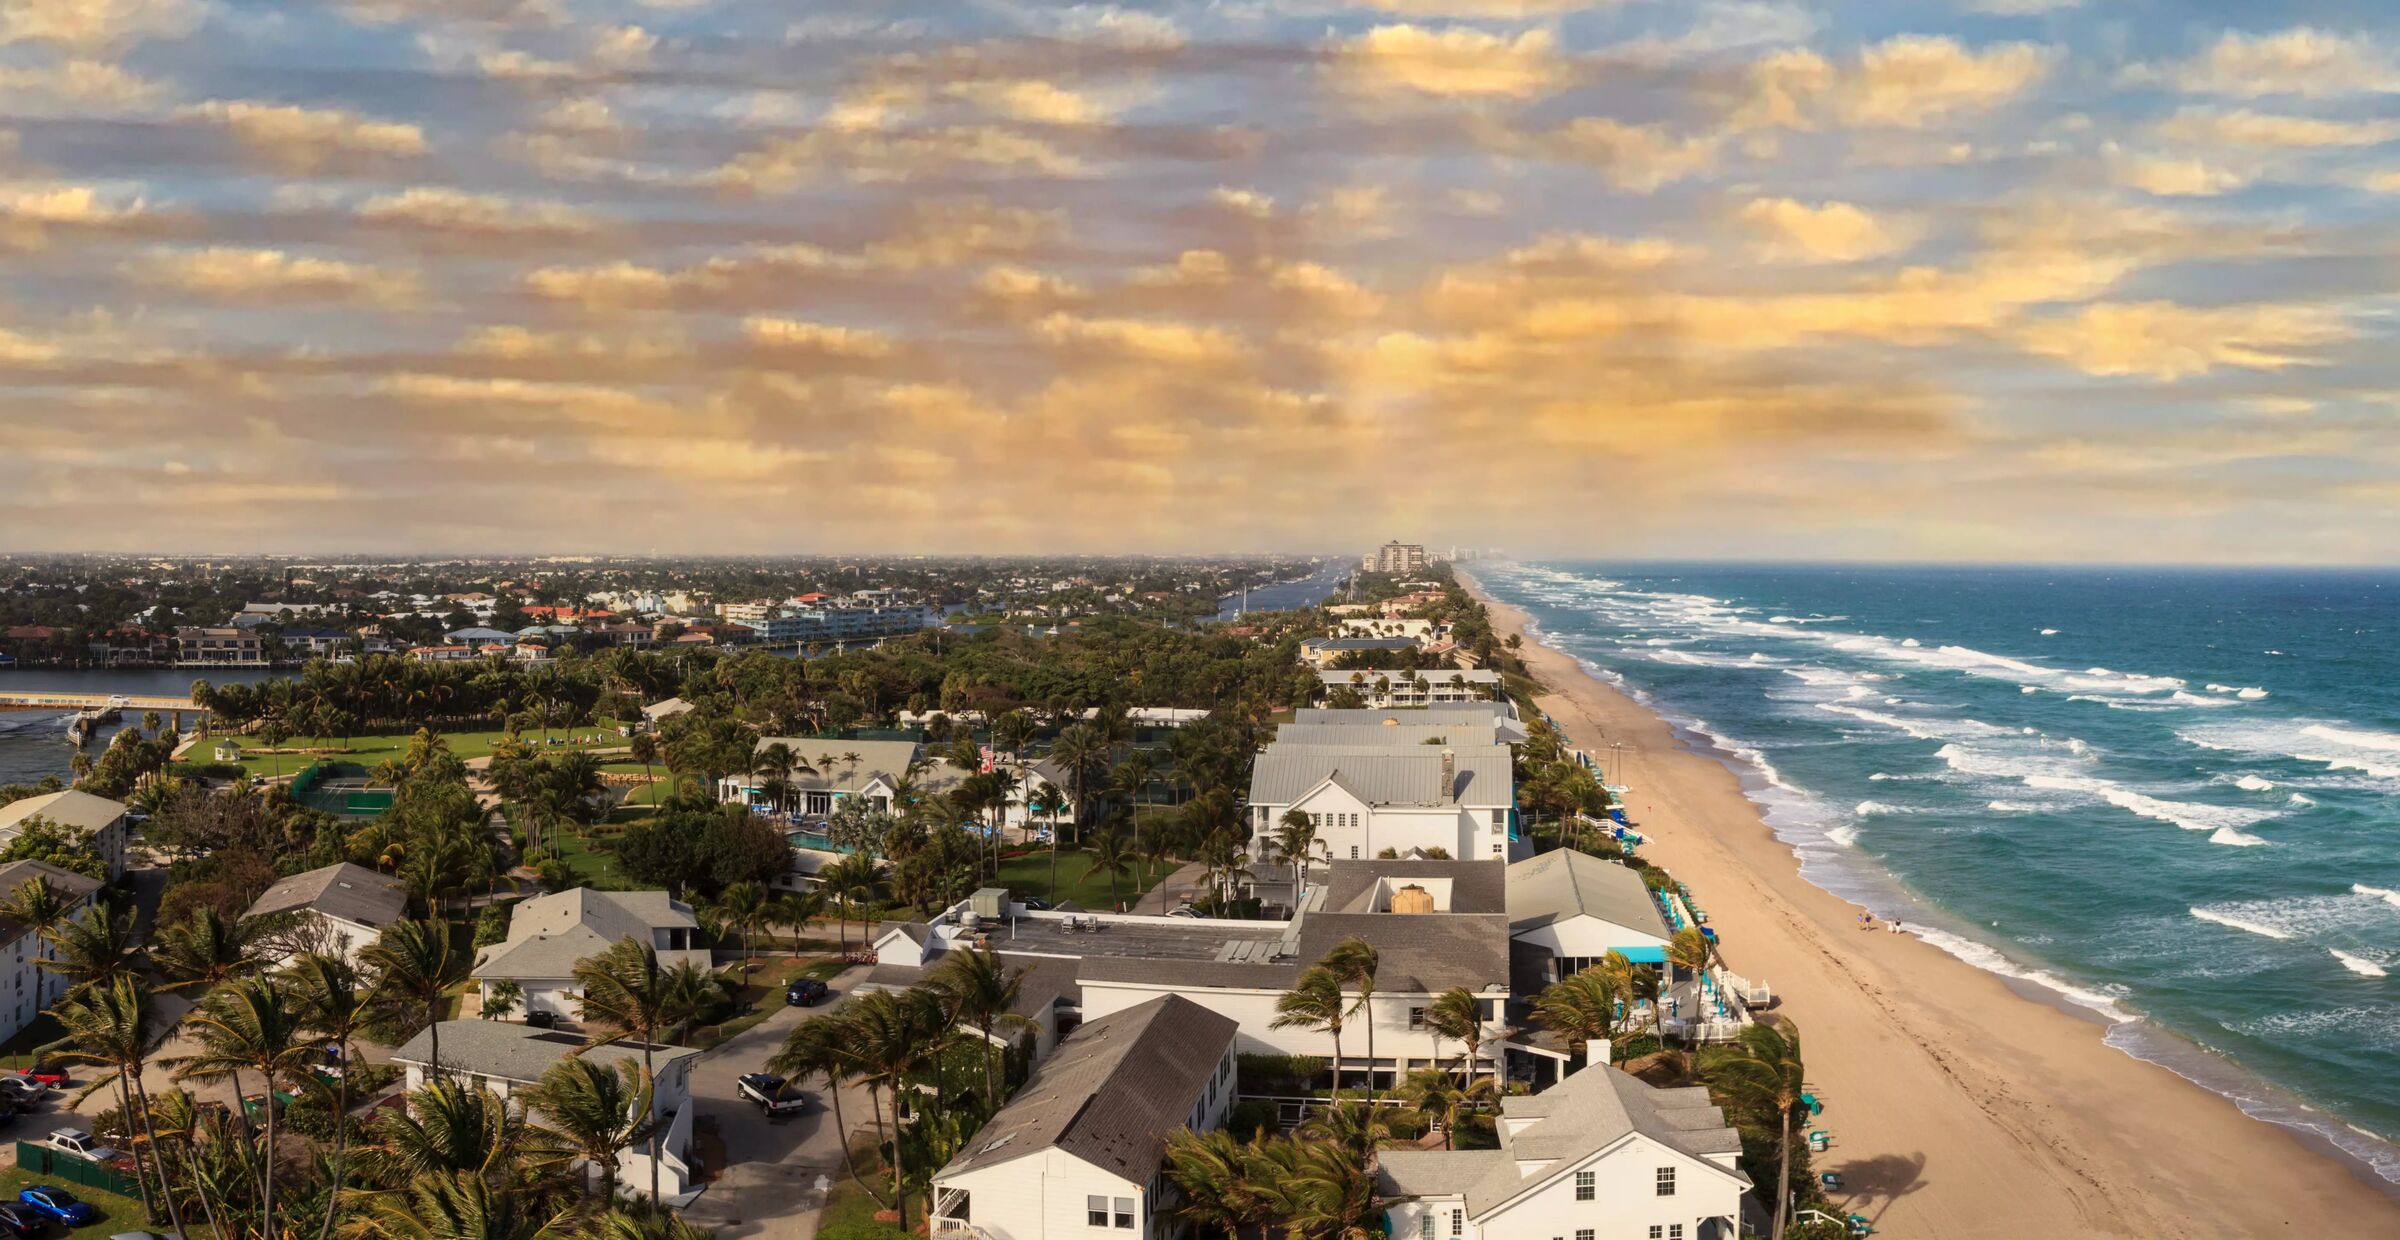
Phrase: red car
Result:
[47,1076]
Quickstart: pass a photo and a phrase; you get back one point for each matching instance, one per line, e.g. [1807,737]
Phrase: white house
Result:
[548,935]
[1374,626]
[504,1057]
[830,770]
[31,988]
[1367,798]
[1078,1151]
[1599,1156]
[345,907]
[1435,925]
[1380,689]
[1045,985]
[100,821]
[1574,908]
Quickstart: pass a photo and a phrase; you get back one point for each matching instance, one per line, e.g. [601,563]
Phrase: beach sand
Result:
[1957,1107]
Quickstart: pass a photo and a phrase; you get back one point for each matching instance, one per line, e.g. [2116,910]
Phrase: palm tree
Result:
[1353,962]
[626,1225]
[41,907]
[414,969]
[331,1000]
[206,950]
[459,1207]
[1581,1007]
[1316,1001]
[1690,950]
[1078,747]
[1111,854]
[453,1129]
[742,908]
[109,1026]
[248,1025]
[983,991]
[848,881]
[1457,1014]
[94,947]
[597,1112]
[824,1046]
[894,1035]
[1330,1192]
[1761,1072]
[626,989]
[1210,1171]
[1049,802]
[1439,1097]
[1294,833]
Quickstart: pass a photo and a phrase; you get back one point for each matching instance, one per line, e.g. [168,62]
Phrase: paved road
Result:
[769,1184]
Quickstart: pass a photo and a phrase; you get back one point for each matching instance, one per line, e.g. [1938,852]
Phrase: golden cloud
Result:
[2167,341]
[1635,157]
[2172,176]
[438,209]
[89,25]
[29,214]
[1456,62]
[303,138]
[76,83]
[866,155]
[2300,61]
[1906,82]
[256,275]
[1499,9]
[1147,340]
[819,338]
[1830,232]
[2245,128]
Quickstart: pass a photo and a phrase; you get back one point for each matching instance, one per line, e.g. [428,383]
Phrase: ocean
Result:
[33,743]
[2166,797]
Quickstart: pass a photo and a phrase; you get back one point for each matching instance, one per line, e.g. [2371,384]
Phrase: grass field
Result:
[117,1214]
[1029,875]
[367,751]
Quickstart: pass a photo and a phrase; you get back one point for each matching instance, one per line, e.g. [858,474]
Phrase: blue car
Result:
[59,1204]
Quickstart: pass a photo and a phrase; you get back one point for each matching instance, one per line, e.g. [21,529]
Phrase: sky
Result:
[1921,280]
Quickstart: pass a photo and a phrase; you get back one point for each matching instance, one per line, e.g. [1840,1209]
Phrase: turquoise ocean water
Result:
[2169,797]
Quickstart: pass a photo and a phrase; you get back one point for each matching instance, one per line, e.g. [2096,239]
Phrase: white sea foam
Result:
[2384,894]
[2014,807]
[1986,958]
[2049,632]
[2299,800]
[2250,694]
[2339,748]
[1868,809]
[2241,923]
[2252,783]
[2237,839]
[1847,837]
[2357,964]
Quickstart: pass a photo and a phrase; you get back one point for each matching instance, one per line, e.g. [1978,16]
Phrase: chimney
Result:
[1450,773]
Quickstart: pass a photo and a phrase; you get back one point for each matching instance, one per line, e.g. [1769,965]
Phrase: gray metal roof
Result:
[1567,883]
[1466,731]
[834,771]
[547,935]
[1360,643]
[1226,974]
[352,893]
[1475,886]
[1042,981]
[1112,1092]
[1424,953]
[1400,714]
[1386,775]
[80,811]
[521,1053]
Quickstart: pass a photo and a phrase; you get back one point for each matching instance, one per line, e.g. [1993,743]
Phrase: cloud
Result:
[1455,62]
[2302,61]
[301,138]
[860,154]
[29,215]
[76,84]
[1501,9]
[784,335]
[1905,82]
[2244,128]
[1145,340]
[92,25]
[2176,176]
[1240,201]
[1829,232]
[1635,157]
[441,210]
[2166,341]
[224,273]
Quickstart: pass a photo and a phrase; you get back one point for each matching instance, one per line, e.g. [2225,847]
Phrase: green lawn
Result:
[367,751]
[117,1214]
[592,865]
[759,1000]
[1029,875]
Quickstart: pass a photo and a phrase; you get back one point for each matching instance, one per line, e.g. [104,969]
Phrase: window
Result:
[1458,1222]
[1354,852]
[1095,1211]
[1587,1185]
[1125,1213]
[1416,1018]
[1584,1233]
[1666,1181]
[1674,1231]
[1425,1226]
[1657,1232]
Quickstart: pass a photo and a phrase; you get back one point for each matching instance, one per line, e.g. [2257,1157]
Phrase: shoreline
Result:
[1961,1102]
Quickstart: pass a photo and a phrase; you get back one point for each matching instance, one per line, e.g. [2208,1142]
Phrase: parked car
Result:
[22,1087]
[804,992]
[542,1020]
[1034,903]
[80,1143]
[47,1076]
[59,1204]
[19,1220]
[766,1089]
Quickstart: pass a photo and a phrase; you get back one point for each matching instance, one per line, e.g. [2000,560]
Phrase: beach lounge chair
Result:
[1831,1180]
[1818,1140]
[1810,1101]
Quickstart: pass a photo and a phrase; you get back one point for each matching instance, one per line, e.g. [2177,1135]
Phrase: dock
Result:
[37,700]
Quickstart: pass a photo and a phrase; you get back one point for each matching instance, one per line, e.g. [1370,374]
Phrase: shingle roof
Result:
[16,874]
[352,893]
[887,759]
[79,810]
[548,934]
[1434,1173]
[1424,953]
[1592,1109]
[1229,974]
[1041,983]
[1386,775]
[1567,883]
[1112,1092]
[1475,886]
[521,1053]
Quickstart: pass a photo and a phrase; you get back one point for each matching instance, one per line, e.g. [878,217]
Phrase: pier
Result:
[94,701]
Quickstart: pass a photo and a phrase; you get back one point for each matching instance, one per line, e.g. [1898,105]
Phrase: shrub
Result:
[1251,1117]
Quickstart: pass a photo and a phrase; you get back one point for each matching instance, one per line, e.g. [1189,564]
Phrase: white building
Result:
[343,908]
[1575,908]
[548,935]
[1395,557]
[1383,689]
[1079,1150]
[30,987]
[1369,626]
[1599,1156]
[98,820]
[504,1057]
[1367,798]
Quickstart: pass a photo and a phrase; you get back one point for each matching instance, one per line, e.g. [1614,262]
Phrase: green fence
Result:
[347,799]
[44,1163]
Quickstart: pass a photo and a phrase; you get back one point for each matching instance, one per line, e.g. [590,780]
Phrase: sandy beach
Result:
[1958,1107]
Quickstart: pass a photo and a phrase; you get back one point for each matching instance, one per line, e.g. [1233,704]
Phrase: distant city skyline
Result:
[1950,281]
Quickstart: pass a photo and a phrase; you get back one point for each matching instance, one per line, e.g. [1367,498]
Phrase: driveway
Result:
[769,1185]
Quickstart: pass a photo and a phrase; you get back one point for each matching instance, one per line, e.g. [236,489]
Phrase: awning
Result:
[1643,955]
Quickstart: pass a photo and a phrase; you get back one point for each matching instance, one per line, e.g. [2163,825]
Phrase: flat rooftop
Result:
[1198,939]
